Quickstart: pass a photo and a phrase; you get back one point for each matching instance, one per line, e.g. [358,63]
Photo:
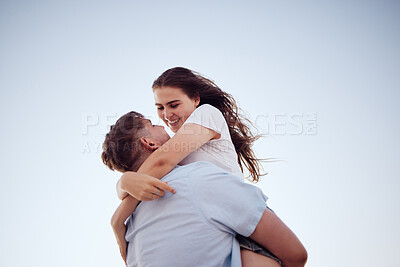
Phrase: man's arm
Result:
[274,235]
[125,209]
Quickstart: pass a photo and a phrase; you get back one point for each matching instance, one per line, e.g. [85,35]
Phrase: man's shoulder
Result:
[196,168]
[200,165]
[206,173]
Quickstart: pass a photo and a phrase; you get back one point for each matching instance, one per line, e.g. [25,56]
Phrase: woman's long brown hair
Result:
[194,85]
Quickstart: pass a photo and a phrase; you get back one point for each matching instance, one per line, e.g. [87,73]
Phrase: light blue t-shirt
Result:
[197,225]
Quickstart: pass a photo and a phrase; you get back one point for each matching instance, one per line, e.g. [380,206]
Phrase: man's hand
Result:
[118,219]
[143,187]
[119,232]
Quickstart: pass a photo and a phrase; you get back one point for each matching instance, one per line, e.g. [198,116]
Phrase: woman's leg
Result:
[275,236]
[252,259]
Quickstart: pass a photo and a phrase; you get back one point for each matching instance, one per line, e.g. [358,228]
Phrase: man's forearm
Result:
[124,210]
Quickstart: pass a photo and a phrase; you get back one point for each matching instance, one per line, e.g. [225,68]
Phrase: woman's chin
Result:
[174,127]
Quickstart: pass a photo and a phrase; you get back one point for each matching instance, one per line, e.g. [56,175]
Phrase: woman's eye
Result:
[160,108]
[174,106]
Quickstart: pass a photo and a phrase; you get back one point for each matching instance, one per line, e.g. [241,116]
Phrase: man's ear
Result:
[149,144]
[197,101]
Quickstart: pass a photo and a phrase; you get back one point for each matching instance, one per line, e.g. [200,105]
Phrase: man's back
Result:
[197,225]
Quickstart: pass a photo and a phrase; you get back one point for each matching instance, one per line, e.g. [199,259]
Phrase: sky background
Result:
[319,78]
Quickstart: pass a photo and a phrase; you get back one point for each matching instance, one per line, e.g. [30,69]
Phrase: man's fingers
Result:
[123,253]
[123,256]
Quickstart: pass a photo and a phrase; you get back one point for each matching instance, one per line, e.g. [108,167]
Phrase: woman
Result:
[207,127]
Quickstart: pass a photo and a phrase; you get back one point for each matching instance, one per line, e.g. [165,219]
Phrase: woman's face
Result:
[174,106]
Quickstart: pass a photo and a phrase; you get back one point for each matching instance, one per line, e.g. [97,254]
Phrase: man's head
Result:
[130,141]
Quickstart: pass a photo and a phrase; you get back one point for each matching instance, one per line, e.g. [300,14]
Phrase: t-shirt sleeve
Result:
[208,116]
[226,201]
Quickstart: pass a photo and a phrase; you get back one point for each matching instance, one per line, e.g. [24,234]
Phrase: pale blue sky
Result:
[67,64]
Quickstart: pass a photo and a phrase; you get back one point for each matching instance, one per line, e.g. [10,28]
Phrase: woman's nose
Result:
[167,114]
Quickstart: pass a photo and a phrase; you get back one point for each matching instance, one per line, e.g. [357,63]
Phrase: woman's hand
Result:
[143,187]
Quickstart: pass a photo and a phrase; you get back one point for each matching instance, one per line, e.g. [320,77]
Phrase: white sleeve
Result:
[209,117]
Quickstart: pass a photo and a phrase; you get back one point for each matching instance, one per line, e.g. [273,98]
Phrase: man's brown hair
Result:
[122,146]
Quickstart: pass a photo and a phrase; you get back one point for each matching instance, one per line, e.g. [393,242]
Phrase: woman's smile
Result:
[174,106]
[173,123]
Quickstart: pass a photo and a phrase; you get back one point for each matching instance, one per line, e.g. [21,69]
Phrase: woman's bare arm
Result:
[189,138]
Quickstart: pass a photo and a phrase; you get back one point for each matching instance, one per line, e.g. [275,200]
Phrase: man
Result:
[197,225]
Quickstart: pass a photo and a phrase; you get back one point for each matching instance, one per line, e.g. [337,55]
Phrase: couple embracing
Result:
[185,197]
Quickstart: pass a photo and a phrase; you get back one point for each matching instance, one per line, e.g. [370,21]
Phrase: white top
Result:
[220,152]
